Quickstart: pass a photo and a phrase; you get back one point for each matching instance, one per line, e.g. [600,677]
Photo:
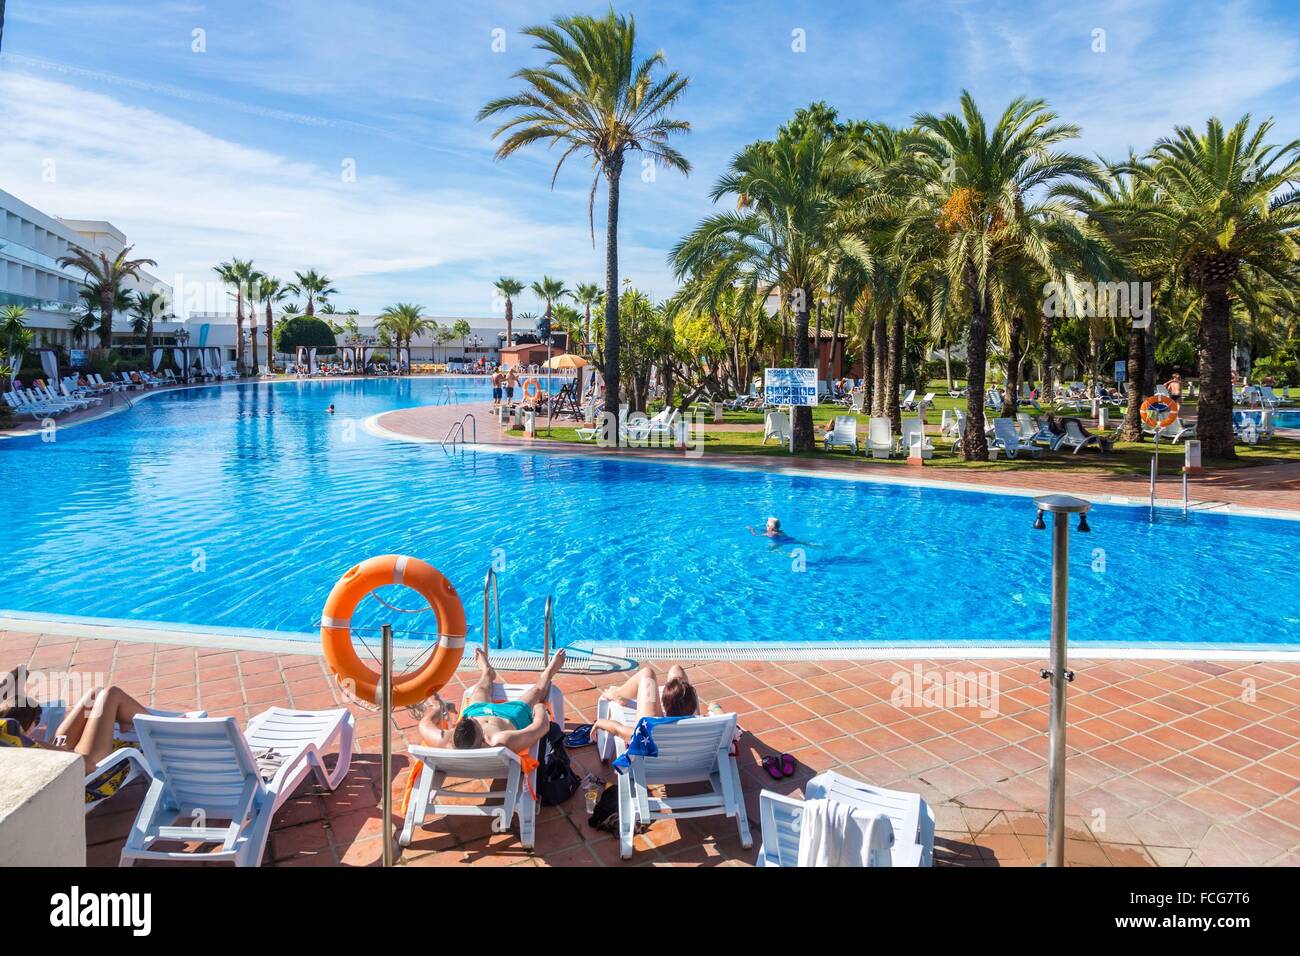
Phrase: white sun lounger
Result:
[1008,439]
[776,425]
[914,435]
[483,763]
[911,817]
[692,751]
[781,821]
[880,438]
[844,431]
[207,769]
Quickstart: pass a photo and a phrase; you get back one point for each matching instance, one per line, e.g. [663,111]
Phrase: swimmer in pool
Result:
[330,410]
[773,530]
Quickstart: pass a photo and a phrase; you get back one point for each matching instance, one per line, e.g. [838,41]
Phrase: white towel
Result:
[837,834]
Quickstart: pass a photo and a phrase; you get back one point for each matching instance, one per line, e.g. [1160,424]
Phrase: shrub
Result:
[304,331]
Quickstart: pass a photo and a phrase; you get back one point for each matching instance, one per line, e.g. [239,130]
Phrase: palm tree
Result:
[509,288]
[550,291]
[1228,213]
[980,180]
[270,291]
[240,274]
[314,285]
[461,330]
[789,192]
[403,322]
[587,295]
[13,326]
[145,308]
[82,325]
[593,95]
[110,275]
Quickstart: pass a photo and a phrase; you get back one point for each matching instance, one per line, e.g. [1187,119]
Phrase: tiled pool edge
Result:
[372,426]
[274,642]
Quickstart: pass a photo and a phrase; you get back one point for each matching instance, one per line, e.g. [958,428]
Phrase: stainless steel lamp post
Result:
[1060,507]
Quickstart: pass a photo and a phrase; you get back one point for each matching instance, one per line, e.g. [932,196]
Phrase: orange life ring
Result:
[536,387]
[336,627]
[1155,405]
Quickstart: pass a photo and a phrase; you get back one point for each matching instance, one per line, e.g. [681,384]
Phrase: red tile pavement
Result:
[1275,486]
[1171,763]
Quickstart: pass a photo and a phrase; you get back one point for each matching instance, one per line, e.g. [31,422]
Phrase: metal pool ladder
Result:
[456,433]
[445,396]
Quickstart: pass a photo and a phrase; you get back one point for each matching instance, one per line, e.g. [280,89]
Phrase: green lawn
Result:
[1126,458]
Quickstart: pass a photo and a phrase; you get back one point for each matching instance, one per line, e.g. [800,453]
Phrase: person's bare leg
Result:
[481,693]
[112,706]
[629,688]
[648,703]
[541,690]
[73,724]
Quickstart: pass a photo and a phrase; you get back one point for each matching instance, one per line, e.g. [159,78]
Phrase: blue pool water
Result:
[1282,417]
[240,506]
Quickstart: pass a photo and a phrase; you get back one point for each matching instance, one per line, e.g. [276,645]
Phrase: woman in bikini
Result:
[677,699]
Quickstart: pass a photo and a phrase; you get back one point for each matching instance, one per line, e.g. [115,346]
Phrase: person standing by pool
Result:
[1175,388]
[497,380]
[512,379]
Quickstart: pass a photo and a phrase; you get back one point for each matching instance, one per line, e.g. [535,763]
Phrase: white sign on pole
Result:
[790,386]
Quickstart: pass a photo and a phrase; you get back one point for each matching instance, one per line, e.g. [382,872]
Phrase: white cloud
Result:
[190,199]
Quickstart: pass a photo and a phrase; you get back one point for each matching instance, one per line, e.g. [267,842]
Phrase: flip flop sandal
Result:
[578,737]
[770,765]
[787,765]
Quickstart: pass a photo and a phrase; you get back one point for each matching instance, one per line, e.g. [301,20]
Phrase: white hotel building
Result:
[483,342]
[31,244]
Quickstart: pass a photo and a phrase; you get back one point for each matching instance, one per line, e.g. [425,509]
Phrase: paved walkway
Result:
[1171,763]
[1264,486]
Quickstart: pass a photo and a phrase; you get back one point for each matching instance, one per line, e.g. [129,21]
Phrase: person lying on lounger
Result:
[87,729]
[677,699]
[515,725]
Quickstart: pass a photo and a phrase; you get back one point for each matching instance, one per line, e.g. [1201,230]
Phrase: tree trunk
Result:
[1214,417]
[1131,429]
[1149,356]
[1049,358]
[239,332]
[510,322]
[106,321]
[894,370]
[252,335]
[974,445]
[947,364]
[880,349]
[817,345]
[868,368]
[803,422]
[270,350]
[1011,400]
[612,172]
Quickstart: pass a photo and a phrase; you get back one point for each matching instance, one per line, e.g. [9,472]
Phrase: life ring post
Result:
[386,707]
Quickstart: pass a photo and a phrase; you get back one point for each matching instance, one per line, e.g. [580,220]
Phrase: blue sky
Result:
[107,111]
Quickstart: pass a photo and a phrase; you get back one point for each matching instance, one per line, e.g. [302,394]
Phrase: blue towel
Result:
[642,743]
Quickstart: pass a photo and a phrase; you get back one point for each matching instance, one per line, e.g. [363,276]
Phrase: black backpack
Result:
[556,781]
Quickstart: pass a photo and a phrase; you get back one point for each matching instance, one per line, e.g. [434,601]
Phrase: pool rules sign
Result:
[790,386]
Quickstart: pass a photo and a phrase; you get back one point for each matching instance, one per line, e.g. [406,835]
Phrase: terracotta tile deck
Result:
[1274,486]
[1171,763]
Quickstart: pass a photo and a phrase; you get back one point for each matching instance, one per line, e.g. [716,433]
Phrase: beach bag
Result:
[556,781]
[605,815]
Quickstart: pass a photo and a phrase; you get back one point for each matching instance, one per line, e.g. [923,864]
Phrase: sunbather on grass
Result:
[87,729]
[515,725]
[677,699]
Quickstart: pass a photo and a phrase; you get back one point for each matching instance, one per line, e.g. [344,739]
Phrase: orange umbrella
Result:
[567,360]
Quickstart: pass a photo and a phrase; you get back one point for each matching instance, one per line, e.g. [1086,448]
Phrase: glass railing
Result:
[29,256]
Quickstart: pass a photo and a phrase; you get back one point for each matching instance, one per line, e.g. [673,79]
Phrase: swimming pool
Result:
[1282,417]
[240,506]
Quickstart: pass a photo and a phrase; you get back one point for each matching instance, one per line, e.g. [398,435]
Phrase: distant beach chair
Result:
[844,431]
[880,438]
[776,425]
[914,436]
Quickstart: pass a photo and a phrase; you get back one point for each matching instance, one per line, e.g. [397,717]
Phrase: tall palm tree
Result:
[240,274]
[982,180]
[509,288]
[82,325]
[790,192]
[594,95]
[314,285]
[145,308]
[550,291]
[13,326]
[1229,213]
[403,322]
[270,291]
[587,295]
[111,275]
